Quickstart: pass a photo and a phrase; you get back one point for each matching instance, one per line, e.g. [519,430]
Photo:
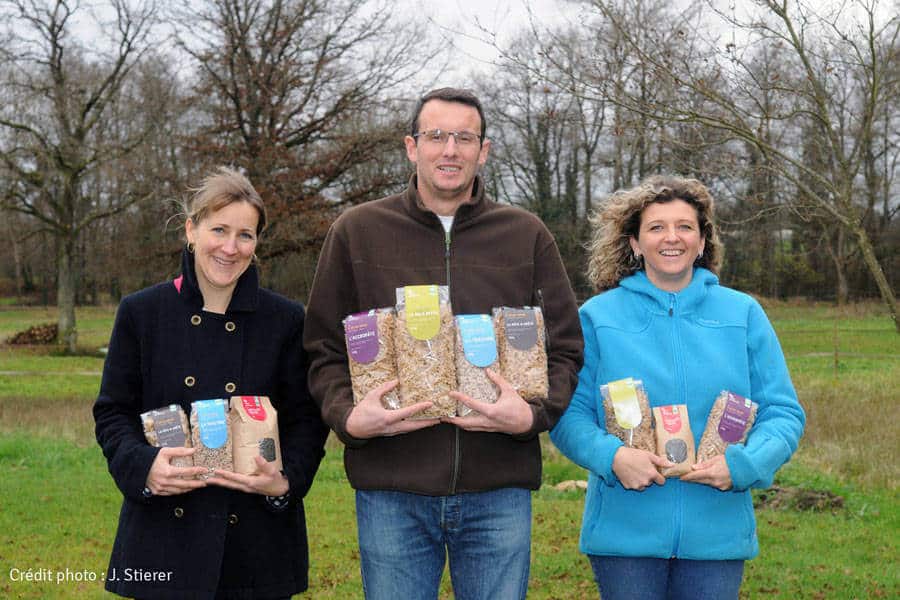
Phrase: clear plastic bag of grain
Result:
[729,421]
[254,432]
[424,342]
[167,427]
[522,345]
[628,415]
[476,350]
[211,435]
[674,439]
[370,353]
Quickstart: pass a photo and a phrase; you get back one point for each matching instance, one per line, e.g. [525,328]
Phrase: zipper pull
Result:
[671,304]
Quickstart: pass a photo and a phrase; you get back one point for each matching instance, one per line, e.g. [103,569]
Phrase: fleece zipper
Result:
[677,354]
[454,477]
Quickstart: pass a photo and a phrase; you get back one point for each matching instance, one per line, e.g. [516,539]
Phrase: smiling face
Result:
[669,239]
[446,172]
[224,242]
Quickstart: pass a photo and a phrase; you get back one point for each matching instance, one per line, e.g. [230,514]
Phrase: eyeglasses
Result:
[440,137]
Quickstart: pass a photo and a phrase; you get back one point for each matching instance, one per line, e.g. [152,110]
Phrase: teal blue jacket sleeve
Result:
[780,419]
[581,432]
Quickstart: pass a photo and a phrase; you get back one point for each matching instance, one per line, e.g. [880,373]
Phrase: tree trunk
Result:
[17,253]
[65,294]
[838,254]
[887,294]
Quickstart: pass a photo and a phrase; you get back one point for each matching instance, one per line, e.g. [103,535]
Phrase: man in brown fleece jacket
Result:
[457,486]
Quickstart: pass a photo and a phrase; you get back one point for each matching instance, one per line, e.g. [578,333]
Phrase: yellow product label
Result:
[423,311]
[625,403]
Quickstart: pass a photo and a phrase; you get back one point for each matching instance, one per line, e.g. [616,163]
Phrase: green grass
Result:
[58,505]
[93,323]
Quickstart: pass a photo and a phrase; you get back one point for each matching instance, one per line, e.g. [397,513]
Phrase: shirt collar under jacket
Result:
[684,301]
[246,292]
[469,209]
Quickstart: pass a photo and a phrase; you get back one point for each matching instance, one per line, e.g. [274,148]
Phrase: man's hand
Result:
[714,472]
[637,469]
[370,419]
[510,414]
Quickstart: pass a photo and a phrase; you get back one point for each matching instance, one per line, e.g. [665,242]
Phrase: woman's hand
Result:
[268,481]
[713,472]
[164,479]
[637,469]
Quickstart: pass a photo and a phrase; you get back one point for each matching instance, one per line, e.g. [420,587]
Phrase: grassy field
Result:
[829,530]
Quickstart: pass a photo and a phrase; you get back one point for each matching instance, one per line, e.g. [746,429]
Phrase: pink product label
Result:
[671,418]
[254,407]
[733,423]
[361,332]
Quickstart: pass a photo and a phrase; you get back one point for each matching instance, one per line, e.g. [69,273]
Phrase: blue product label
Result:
[478,341]
[212,421]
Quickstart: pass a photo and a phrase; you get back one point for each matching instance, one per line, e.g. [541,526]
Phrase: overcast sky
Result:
[460,20]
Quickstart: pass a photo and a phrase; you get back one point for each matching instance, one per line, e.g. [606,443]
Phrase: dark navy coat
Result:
[166,350]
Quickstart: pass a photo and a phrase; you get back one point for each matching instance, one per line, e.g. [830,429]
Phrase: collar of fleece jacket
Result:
[466,211]
[246,293]
[685,300]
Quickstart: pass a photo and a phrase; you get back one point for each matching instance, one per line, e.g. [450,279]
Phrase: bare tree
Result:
[54,124]
[829,50]
[298,93]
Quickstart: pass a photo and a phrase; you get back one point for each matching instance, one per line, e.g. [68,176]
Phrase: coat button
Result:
[190,381]
[229,326]
[179,512]
[230,387]
[195,320]
[232,519]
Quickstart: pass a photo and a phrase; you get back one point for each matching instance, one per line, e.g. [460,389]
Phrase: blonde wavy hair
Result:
[618,220]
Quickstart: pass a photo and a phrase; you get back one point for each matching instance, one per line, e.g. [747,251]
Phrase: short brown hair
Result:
[221,188]
[611,258]
[448,94]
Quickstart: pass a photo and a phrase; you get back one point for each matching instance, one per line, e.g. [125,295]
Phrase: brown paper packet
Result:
[254,432]
[674,440]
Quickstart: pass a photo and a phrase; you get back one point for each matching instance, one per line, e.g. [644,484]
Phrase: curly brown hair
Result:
[618,220]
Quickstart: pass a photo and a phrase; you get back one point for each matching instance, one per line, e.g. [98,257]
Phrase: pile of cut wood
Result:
[37,334]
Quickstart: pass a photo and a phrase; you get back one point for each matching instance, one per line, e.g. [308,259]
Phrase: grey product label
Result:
[167,424]
[267,449]
[521,328]
[676,451]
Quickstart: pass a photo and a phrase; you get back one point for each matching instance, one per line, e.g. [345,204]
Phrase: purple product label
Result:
[733,423]
[521,327]
[361,332]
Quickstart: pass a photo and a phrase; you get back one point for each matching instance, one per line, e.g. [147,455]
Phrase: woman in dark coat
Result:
[210,333]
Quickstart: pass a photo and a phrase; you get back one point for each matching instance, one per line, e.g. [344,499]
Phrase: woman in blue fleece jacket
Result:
[663,318]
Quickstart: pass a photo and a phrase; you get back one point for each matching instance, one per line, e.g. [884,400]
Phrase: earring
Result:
[190,247]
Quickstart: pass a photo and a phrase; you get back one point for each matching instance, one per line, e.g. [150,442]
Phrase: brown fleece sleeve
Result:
[565,345]
[332,297]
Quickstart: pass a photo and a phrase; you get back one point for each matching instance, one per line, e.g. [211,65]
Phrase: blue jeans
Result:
[625,578]
[405,539]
